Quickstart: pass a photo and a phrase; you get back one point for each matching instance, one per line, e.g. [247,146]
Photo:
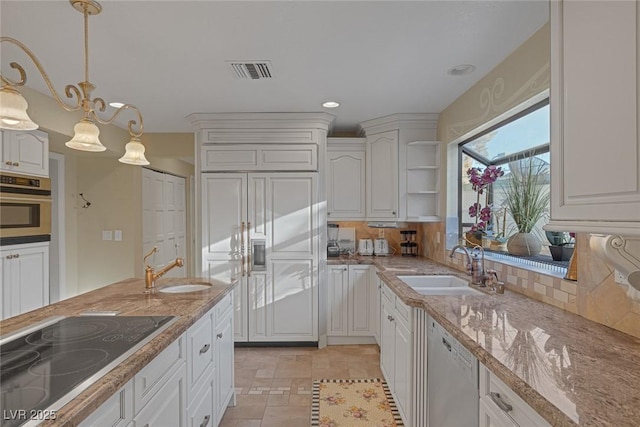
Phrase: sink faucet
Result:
[469,266]
[150,276]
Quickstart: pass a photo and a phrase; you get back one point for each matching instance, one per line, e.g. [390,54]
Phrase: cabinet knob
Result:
[328,213]
[219,335]
[16,164]
[9,163]
[16,256]
[394,212]
[344,269]
[391,319]
[205,421]
[9,256]
[204,349]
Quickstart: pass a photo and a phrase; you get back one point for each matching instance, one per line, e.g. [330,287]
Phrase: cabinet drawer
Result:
[151,378]
[498,397]
[200,350]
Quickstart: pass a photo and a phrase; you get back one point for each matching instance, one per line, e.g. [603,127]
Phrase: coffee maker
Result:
[333,249]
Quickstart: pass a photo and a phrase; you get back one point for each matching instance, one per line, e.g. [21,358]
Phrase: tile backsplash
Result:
[595,295]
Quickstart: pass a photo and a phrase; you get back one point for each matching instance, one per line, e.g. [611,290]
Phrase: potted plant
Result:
[527,201]
[480,182]
[561,244]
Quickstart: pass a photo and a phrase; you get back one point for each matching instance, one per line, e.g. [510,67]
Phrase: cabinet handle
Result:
[16,164]
[391,319]
[497,399]
[9,256]
[16,256]
[219,335]
[242,248]
[249,249]
[446,344]
[204,349]
[344,269]
[205,421]
[9,163]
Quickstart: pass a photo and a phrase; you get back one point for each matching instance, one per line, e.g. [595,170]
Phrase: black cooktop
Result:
[39,370]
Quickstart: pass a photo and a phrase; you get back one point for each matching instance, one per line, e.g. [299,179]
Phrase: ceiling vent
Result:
[254,70]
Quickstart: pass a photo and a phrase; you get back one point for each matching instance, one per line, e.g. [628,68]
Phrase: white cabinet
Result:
[259,157]
[346,166]
[352,297]
[224,380]
[377,307]
[25,278]
[169,404]
[500,406]
[421,173]
[277,299]
[25,152]
[382,175]
[396,350]
[595,185]
[117,411]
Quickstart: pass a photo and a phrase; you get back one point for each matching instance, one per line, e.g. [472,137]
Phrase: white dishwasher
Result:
[452,378]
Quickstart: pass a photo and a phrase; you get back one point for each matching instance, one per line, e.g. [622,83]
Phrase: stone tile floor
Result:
[273,385]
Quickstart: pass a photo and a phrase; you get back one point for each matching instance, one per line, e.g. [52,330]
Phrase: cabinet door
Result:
[361,300]
[387,346]
[346,185]
[224,344]
[224,214]
[168,407]
[115,412]
[338,300]
[201,411]
[594,116]
[29,284]
[382,175]
[5,286]
[402,363]
[292,257]
[377,307]
[26,152]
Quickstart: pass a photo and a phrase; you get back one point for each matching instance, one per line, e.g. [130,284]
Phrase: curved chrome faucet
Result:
[469,267]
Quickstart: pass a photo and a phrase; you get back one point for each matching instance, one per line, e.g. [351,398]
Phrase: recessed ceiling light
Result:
[330,104]
[116,104]
[460,70]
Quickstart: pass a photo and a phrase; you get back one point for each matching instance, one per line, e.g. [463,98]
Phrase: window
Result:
[515,145]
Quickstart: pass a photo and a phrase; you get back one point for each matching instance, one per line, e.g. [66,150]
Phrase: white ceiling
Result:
[168,57]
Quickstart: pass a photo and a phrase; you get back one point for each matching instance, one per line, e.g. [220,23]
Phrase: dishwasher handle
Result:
[497,399]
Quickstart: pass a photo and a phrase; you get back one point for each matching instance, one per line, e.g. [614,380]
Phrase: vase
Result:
[524,244]
[473,239]
[561,253]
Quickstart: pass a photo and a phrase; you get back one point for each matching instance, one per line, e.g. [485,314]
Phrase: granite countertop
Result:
[570,370]
[128,299]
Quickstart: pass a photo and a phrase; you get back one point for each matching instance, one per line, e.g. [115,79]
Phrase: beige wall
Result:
[114,190]
[595,295]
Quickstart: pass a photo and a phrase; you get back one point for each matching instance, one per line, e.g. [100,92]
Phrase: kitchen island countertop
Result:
[126,297]
[570,370]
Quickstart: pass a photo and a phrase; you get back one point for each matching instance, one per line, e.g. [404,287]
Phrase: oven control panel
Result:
[19,180]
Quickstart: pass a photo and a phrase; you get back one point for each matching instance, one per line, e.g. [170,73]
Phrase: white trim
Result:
[61,226]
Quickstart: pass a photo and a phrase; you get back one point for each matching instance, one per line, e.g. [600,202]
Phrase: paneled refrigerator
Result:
[262,228]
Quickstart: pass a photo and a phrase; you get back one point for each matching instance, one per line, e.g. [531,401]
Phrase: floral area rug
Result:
[353,403]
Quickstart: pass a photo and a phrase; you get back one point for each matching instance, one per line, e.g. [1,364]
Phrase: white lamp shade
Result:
[13,111]
[134,153]
[86,137]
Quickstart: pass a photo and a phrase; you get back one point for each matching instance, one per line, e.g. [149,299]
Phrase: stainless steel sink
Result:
[439,285]
[185,287]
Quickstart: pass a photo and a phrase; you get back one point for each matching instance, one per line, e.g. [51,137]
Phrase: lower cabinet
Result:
[24,270]
[396,350]
[189,384]
[352,308]
[501,407]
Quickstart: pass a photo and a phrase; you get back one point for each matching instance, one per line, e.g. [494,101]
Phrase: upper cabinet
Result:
[346,166]
[403,168]
[595,146]
[25,152]
[382,175]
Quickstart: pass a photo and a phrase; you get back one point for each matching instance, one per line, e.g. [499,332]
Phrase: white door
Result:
[224,215]
[25,278]
[346,185]
[292,257]
[164,218]
[382,175]
[338,307]
[26,152]
[361,299]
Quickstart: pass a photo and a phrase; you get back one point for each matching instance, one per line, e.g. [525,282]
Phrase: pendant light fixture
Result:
[13,106]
